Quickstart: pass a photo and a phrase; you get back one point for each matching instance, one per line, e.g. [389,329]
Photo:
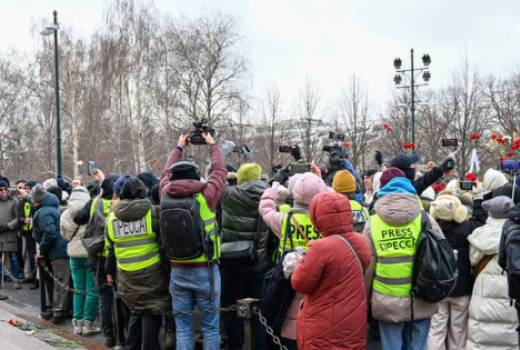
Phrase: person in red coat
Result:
[334,311]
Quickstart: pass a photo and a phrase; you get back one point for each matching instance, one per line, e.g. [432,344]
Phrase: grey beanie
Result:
[38,192]
[498,206]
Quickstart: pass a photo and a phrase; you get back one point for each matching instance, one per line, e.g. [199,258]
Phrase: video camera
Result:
[200,128]
[284,149]
[338,153]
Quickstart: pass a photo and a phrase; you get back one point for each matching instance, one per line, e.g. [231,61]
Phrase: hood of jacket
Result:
[184,188]
[252,190]
[132,210]
[398,208]
[306,187]
[397,185]
[492,180]
[514,214]
[49,200]
[331,213]
[487,238]
[76,202]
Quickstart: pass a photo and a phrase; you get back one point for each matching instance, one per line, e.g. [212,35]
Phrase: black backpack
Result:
[513,260]
[182,231]
[435,268]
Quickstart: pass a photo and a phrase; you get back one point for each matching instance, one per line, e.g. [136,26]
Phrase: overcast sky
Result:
[328,40]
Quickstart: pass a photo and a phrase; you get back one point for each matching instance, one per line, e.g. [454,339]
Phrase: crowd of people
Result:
[329,254]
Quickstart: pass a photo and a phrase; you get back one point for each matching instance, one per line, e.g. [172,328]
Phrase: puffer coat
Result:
[9,216]
[240,218]
[333,314]
[77,201]
[492,319]
[46,229]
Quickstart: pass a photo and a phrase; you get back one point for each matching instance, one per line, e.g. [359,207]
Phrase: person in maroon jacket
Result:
[195,281]
[333,315]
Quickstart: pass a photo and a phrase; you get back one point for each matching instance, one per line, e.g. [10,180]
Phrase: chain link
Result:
[67,288]
[18,280]
[268,329]
[206,311]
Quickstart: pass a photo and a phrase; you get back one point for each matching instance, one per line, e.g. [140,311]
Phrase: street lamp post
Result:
[410,75]
[53,29]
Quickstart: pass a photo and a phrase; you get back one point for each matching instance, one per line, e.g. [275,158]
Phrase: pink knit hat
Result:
[306,187]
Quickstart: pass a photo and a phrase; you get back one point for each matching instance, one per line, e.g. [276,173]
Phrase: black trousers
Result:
[143,332]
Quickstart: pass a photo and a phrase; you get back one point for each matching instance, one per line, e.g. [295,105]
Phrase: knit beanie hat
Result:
[120,182]
[498,206]
[38,192]
[30,184]
[149,179]
[154,193]
[448,208]
[133,188]
[248,172]
[58,192]
[50,183]
[344,182]
[231,169]
[389,174]
[4,184]
[113,177]
[306,187]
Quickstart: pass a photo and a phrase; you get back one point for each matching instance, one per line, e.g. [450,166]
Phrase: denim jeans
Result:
[85,306]
[397,335]
[236,286]
[190,287]
[15,271]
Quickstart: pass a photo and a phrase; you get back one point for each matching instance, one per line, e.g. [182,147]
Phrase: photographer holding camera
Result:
[188,208]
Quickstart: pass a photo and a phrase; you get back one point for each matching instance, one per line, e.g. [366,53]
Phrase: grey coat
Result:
[9,216]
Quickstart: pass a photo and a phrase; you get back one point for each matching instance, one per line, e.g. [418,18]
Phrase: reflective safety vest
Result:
[297,238]
[360,215]
[135,243]
[284,208]
[395,248]
[106,213]
[27,215]
[210,226]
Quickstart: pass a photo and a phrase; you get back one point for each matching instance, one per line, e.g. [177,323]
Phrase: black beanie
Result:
[133,188]
[57,192]
[184,169]
[154,194]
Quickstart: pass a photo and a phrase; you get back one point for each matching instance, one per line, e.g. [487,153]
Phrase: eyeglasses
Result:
[3,189]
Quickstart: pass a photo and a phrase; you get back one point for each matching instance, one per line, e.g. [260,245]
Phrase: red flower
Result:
[346,144]
[448,172]
[471,177]
[405,145]
[501,159]
[389,129]
[510,154]
[515,147]
[439,187]
[281,163]
[159,168]
[502,141]
[474,136]
[11,322]
[517,142]
[493,136]
[409,145]
[385,125]
[154,161]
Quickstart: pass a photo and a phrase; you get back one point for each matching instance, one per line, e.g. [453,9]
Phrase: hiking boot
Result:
[89,329]
[78,326]
[57,320]
[17,285]
[35,285]
[170,340]
[3,297]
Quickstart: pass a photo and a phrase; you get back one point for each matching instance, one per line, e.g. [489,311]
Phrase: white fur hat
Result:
[448,208]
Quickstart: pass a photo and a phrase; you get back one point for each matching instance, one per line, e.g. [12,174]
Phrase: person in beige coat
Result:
[84,305]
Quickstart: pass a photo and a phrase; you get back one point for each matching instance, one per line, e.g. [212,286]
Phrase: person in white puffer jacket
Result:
[492,318]
[84,305]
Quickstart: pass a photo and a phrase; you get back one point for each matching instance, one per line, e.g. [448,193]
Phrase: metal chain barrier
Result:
[205,311]
[268,329]
[67,288]
[19,280]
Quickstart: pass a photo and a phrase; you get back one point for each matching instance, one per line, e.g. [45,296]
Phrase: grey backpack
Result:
[94,237]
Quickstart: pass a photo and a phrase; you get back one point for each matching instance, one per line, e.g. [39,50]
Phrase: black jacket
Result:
[83,216]
[514,216]
[240,218]
[457,236]
[428,179]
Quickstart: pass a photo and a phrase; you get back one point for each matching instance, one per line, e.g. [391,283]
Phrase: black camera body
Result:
[467,185]
[284,149]
[200,128]
[337,136]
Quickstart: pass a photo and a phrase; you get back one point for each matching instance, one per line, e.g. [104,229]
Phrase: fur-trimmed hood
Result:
[449,208]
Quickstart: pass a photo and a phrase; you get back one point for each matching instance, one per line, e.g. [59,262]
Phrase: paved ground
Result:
[24,304]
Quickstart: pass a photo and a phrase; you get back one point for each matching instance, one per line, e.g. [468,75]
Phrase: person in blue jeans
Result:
[195,276]
[390,271]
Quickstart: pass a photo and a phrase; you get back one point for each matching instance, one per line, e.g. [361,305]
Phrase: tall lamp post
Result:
[410,74]
[53,29]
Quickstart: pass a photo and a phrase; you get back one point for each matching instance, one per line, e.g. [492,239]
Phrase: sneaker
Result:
[17,285]
[57,320]
[35,285]
[78,326]
[89,329]
[3,297]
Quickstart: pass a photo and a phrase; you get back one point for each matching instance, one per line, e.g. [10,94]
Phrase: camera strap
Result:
[302,232]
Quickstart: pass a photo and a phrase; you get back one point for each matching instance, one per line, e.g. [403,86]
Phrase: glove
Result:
[4,228]
[282,175]
[248,154]
[227,149]
[479,193]
[448,165]
[296,153]
[379,158]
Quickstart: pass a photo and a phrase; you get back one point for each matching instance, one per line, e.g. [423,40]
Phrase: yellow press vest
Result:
[27,215]
[360,213]
[297,238]
[135,243]
[395,248]
[106,213]
[284,208]
[209,220]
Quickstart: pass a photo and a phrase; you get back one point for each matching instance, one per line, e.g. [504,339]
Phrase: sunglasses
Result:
[3,189]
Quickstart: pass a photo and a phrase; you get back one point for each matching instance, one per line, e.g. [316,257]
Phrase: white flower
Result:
[80,162]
